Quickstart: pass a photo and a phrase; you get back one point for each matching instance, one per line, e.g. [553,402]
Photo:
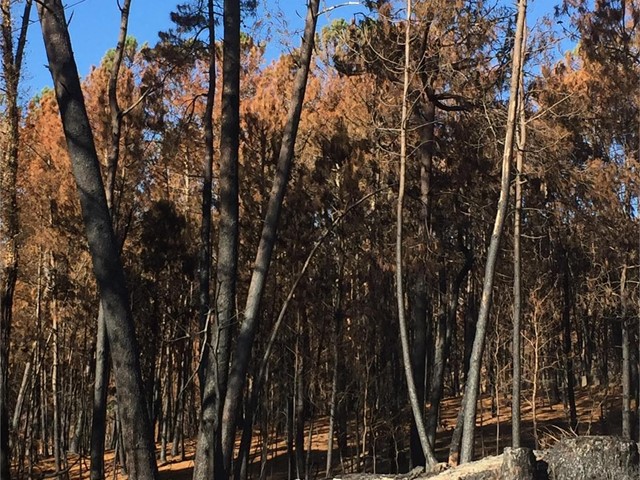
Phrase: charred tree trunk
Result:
[237,376]
[9,223]
[419,312]
[204,273]
[419,321]
[99,419]
[299,396]
[102,242]
[517,274]
[626,360]
[102,368]
[335,352]
[443,346]
[567,303]
[209,459]
[416,407]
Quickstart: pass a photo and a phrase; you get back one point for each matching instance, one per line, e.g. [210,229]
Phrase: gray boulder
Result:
[593,458]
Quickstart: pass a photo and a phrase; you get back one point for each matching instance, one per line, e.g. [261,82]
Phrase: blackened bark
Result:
[300,390]
[566,340]
[416,407]
[237,376]
[214,371]
[420,300]
[335,352]
[98,422]
[227,265]
[626,360]
[9,222]
[443,345]
[114,109]
[291,458]
[102,369]
[418,358]
[456,438]
[517,273]
[204,273]
[103,246]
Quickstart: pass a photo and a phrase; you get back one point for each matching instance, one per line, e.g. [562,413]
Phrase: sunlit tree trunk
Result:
[475,365]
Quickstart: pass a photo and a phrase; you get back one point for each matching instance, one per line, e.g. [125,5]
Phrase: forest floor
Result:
[598,411]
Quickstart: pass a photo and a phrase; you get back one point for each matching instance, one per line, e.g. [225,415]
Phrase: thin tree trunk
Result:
[626,360]
[179,407]
[76,441]
[299,394]
[102,242]
[419,321]
[456,438]
[291,459]
[416,407]
[55,384]
[44,414]
[165,407]
[204,272]
[420,301]
[337,324]
[442,352]
[228,236]
[332,410]
[471,387]
[517,275]
[9,222]
[102,368]
[17,413]
[237,376]
[99,419]
[566,341]
[534,386]
[213,373]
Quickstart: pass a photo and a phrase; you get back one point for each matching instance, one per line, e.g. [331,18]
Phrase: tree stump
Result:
[593,458]
[518,464]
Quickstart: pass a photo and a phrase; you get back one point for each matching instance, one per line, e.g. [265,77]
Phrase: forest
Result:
[412,238]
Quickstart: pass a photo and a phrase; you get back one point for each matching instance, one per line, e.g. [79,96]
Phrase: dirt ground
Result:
[598,414]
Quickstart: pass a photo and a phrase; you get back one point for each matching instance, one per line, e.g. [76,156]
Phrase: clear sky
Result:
[93,25]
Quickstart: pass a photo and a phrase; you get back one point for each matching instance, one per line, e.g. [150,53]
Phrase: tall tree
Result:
[9,224]
[475,365]
[102,370]
[416,407]
[517,265]
[214,366]
[107,266]
[246,335]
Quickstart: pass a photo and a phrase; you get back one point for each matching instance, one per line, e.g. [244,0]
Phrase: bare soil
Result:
[598,411]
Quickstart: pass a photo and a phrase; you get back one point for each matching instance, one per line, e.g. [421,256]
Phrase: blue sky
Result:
[93,25]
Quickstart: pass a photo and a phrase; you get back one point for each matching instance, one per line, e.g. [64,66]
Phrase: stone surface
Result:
[593,458]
